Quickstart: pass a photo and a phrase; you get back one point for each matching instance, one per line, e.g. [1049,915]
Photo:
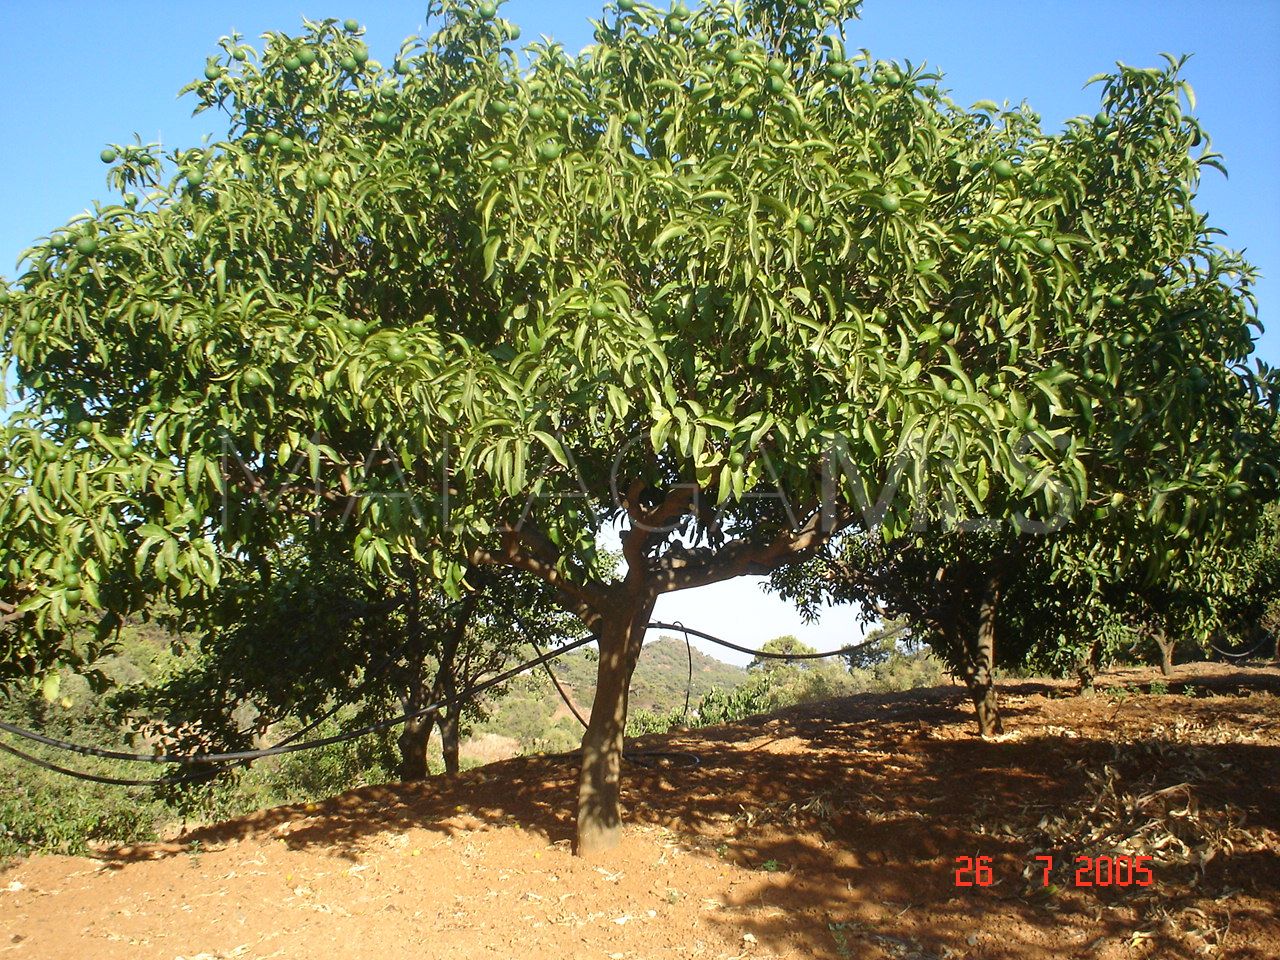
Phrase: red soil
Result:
[830,830]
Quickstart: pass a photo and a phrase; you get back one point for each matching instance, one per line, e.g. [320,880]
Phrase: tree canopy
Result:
[719,280]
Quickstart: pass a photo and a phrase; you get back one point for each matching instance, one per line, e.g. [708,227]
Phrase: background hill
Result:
[532,717]
[661,676]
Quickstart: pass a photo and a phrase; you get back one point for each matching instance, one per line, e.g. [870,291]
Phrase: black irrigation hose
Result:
[200,777]
[546,665]
[113,781]
[688,688]
[635,756]
[842,652]
[287,746]
[290,747]
[1247,653]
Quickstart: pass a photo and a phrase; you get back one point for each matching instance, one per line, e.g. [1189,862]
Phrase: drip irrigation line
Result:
[200,777]
[292,747]
[1247,653]
[112,781]
[288,744]
[824,655]
[688,689]
[640,757]
[546,665]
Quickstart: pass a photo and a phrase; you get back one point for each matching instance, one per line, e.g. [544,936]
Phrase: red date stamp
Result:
[1102,871]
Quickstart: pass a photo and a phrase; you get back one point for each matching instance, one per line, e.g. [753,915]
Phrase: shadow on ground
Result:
[851,814]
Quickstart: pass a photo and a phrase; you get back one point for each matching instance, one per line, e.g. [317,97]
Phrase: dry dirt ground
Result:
[830,830]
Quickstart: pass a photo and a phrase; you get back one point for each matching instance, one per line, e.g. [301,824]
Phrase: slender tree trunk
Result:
[1166,651]
[447,684]
[599,783]
[982,657]
[415,735]
[449,736]
[1087,668]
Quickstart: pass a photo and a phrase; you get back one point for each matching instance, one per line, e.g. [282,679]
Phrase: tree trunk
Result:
[1087,667]
[449,727]
[413,742]
[1166,652]
[416,732]
[599,802]
[982,655]
[450,718]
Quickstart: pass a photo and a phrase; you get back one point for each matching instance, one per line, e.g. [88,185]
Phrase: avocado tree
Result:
[716,283]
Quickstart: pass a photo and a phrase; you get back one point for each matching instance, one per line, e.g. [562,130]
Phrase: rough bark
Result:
[413,740]
[599,783]
[1165,643]
[1087,668]
[449,736]
[981,673]
[450,718]
[415,735]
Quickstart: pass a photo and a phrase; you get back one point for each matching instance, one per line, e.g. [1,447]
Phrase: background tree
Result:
[306,630]
[711,282]
[945,586]
[787,682]
[1249,613]
[781,646]
[1071,600]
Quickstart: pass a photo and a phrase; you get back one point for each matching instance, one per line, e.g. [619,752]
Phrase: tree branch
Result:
[530,550]
[739,558]
[647,524]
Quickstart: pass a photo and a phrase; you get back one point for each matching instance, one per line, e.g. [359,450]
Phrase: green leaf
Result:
[669,233]
[553,445]
[491,255]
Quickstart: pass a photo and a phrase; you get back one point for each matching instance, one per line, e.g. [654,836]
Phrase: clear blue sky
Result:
[75,76]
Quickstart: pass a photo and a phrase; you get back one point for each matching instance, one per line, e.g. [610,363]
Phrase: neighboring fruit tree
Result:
[712,281]
[302,629]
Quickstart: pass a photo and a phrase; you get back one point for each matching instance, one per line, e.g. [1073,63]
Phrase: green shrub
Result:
[753,697]
[641,722]
[44,812]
